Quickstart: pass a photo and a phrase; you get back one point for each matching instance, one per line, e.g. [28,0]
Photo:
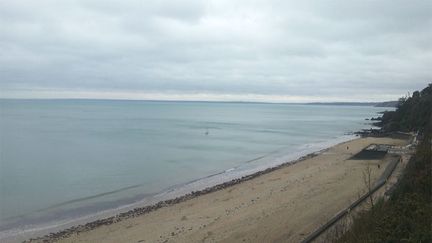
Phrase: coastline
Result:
[120,162]
[286,203]
[110,216]
[80,229]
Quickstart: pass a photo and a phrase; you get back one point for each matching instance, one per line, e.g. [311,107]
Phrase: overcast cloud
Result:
[215,50]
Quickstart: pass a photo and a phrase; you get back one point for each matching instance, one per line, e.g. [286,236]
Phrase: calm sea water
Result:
[65,158]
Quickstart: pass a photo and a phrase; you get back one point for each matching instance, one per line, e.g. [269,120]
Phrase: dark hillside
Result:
[412,114]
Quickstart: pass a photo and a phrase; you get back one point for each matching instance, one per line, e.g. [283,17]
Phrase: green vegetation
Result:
[407,215]
[412,114]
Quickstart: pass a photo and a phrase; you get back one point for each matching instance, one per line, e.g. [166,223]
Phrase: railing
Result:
[380,182]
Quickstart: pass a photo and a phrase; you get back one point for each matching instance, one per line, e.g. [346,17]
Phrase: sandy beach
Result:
[284,205]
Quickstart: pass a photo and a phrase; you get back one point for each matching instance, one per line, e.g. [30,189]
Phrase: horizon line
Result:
[204,101]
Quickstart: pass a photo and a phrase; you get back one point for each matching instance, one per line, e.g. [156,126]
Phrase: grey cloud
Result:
[308,48]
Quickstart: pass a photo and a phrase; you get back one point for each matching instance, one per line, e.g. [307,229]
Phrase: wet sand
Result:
[283,205]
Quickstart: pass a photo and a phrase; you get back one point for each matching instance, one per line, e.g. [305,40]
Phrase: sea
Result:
[62,161]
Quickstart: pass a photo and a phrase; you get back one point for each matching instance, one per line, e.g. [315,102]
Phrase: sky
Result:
[246,50]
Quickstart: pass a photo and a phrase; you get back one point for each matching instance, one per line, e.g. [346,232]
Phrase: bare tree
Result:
[367,174]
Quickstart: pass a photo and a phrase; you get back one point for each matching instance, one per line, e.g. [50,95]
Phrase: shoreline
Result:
[285,204]
[158,167]
[136,211]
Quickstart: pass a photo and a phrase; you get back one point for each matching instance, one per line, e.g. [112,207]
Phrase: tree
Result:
[367,174]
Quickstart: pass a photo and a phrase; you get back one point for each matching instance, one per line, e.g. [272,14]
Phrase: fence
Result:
[380,182]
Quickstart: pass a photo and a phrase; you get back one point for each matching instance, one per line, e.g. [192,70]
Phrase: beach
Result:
[70,162]
[282,205]
[215,121]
